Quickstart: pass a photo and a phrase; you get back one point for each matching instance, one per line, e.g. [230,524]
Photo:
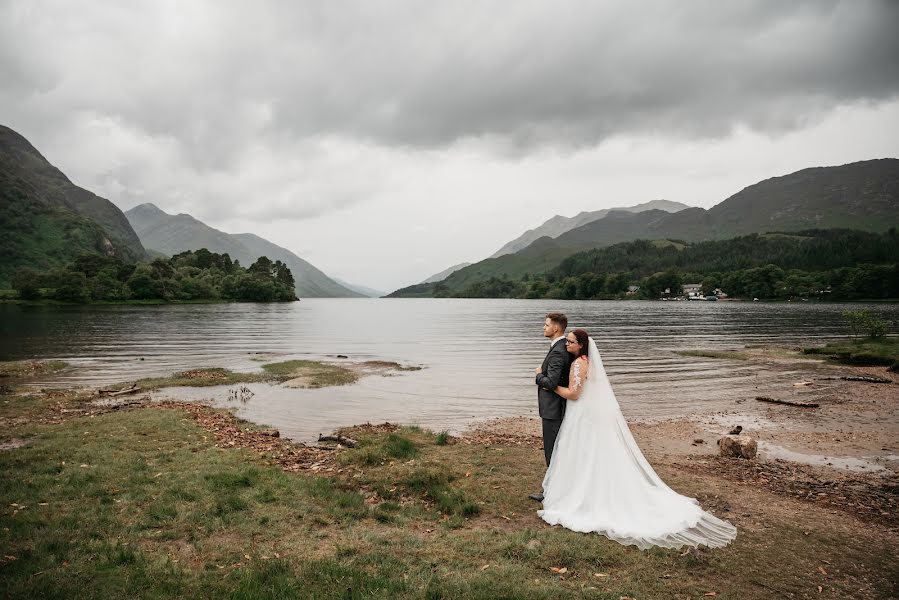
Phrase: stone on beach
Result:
[741,446]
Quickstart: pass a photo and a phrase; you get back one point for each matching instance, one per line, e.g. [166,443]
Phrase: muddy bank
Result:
[842,455]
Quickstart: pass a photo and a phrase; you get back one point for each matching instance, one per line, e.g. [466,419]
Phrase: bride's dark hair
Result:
[582,339]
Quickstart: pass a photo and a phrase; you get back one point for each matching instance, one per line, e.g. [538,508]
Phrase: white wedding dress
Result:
[599,481]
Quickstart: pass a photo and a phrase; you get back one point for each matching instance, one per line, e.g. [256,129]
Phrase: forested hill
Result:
[861,195]
[170,234]
[833,263]
[188,276]
[46,220]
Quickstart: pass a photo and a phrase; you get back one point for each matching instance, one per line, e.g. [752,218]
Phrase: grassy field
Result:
[146,503]
[862,351]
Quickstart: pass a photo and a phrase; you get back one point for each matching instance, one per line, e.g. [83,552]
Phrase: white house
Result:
[692,290]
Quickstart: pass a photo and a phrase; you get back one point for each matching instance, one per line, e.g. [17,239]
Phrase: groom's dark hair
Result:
[559,318]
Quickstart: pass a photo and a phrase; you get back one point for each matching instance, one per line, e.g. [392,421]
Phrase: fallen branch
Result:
[129,390]
[343,441]
[138,402]
[866,379]
[787,402]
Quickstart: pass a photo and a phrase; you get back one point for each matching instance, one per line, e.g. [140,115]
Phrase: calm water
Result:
[479,354]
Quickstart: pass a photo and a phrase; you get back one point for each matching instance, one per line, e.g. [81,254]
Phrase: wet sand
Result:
[856,426]
[843,455]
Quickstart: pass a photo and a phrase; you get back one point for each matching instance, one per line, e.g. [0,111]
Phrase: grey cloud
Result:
[427,75]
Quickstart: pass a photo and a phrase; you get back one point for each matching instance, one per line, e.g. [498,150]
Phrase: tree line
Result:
[191,275]
[834,264]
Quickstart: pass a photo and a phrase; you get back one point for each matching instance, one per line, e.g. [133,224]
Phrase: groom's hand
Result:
[538,370]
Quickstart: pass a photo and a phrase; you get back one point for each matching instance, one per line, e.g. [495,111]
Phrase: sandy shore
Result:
[842,455]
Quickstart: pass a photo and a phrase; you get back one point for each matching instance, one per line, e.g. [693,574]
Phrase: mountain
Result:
[558,225]
[365,291]
[171,234]
[445,273]
[862,196]
[47,220]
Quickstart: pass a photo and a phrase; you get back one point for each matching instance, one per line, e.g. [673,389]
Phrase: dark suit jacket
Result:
[556,366]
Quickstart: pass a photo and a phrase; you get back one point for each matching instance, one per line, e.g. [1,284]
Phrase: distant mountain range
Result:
[170,234]
[862,195]
[445,273]
[555,227]
[365,291]
[46,220]
[558,225]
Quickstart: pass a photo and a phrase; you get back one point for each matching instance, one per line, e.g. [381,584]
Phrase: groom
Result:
[552,374]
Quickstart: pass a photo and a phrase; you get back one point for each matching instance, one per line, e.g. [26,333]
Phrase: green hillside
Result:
[46,220]
[862,195]
[825,263]
[171,234]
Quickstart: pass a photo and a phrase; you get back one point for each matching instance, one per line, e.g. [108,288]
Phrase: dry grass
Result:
[146,503]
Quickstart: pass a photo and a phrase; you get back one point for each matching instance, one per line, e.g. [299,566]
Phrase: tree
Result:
[616,283]
[263,267]
[70,286]
[26,282]
[283,274]
[143,283]
[91,264]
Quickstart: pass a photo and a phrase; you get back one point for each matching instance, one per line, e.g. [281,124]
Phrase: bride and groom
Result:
[597,479]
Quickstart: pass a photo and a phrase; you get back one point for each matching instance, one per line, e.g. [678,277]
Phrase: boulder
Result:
[741,446]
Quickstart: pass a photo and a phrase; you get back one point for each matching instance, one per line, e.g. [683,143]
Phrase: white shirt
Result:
[553,343]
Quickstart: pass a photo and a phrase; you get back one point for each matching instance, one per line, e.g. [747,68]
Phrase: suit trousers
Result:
[550,432]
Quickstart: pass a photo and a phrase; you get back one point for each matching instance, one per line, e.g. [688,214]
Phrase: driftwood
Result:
[138,402]
[343,441]
[866,379]
[787,402]
[129,390]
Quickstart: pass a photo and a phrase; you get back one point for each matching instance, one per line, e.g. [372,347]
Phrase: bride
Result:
[599,481]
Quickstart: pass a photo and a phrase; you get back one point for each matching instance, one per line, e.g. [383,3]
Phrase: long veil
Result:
[623,497]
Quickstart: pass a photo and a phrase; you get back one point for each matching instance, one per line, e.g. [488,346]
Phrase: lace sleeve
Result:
[576,381]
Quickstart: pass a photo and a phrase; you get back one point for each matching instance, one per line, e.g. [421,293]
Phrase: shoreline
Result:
[193,498]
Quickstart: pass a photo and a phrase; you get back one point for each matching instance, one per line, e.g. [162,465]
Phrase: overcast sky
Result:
[385,141]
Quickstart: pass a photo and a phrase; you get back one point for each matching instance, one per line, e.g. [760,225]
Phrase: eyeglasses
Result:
[570,342]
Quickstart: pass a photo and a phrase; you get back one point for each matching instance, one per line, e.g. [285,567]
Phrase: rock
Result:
[741,446]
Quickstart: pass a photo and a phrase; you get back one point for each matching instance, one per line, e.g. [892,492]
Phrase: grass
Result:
[862,351]
[144,504]
[724,354]
[198,378]
[313,374]
[387,364]
[30,368]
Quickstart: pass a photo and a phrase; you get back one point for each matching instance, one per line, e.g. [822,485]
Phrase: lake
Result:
[478,355]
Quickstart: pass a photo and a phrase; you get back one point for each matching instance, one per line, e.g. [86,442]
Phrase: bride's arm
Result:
[575,380]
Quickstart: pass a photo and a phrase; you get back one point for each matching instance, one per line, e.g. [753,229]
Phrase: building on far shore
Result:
[693,290]
[632,290]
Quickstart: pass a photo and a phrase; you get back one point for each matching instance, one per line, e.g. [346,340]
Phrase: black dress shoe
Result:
[537,497]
